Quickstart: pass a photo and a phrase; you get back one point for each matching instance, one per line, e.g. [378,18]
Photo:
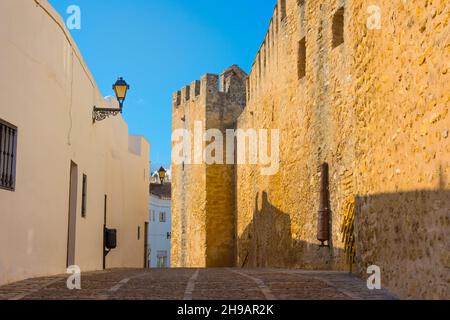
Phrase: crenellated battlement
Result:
[176,98]
[195,88]
[230,85]
[268,56]
[209,86]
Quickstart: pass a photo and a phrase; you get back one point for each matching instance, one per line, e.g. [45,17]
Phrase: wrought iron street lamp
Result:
[162,174]
[120,88]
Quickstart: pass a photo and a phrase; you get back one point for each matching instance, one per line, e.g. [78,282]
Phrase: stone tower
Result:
[203,231]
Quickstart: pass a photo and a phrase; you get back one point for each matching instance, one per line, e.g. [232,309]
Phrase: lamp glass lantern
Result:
[162,174]
[121,88]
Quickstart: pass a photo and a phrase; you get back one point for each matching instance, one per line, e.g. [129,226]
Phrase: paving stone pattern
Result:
[198,284]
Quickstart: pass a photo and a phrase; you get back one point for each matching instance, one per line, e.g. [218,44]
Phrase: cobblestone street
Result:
[198,284]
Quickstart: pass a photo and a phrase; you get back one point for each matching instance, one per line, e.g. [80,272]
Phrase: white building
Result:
[160,225]
[63,177]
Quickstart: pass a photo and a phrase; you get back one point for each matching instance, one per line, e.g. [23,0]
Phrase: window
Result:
[338,28]
[283,9]
[8,147]
[162,259]
[301,59]
[84,197]
[139,232]
[153,215]
[162,217]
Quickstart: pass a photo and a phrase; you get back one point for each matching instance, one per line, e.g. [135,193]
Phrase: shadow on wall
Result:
[267,242]
[407,234]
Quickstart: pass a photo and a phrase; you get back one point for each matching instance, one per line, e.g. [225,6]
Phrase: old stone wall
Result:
[188,243]
[203,191]
[362,86]
[372,103]
[403,148]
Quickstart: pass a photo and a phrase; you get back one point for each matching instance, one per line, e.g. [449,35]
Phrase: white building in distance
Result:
[159,235]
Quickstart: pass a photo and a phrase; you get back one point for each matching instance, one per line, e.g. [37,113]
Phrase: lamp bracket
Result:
[100,114]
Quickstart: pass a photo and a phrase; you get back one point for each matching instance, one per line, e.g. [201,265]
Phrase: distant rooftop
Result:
[163,191]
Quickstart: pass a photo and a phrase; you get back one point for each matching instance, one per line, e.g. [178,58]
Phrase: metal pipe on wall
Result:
[323,225]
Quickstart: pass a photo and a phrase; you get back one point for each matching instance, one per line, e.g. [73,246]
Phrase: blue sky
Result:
[161,46]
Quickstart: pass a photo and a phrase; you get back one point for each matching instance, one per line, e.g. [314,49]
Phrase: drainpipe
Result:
[323,225]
